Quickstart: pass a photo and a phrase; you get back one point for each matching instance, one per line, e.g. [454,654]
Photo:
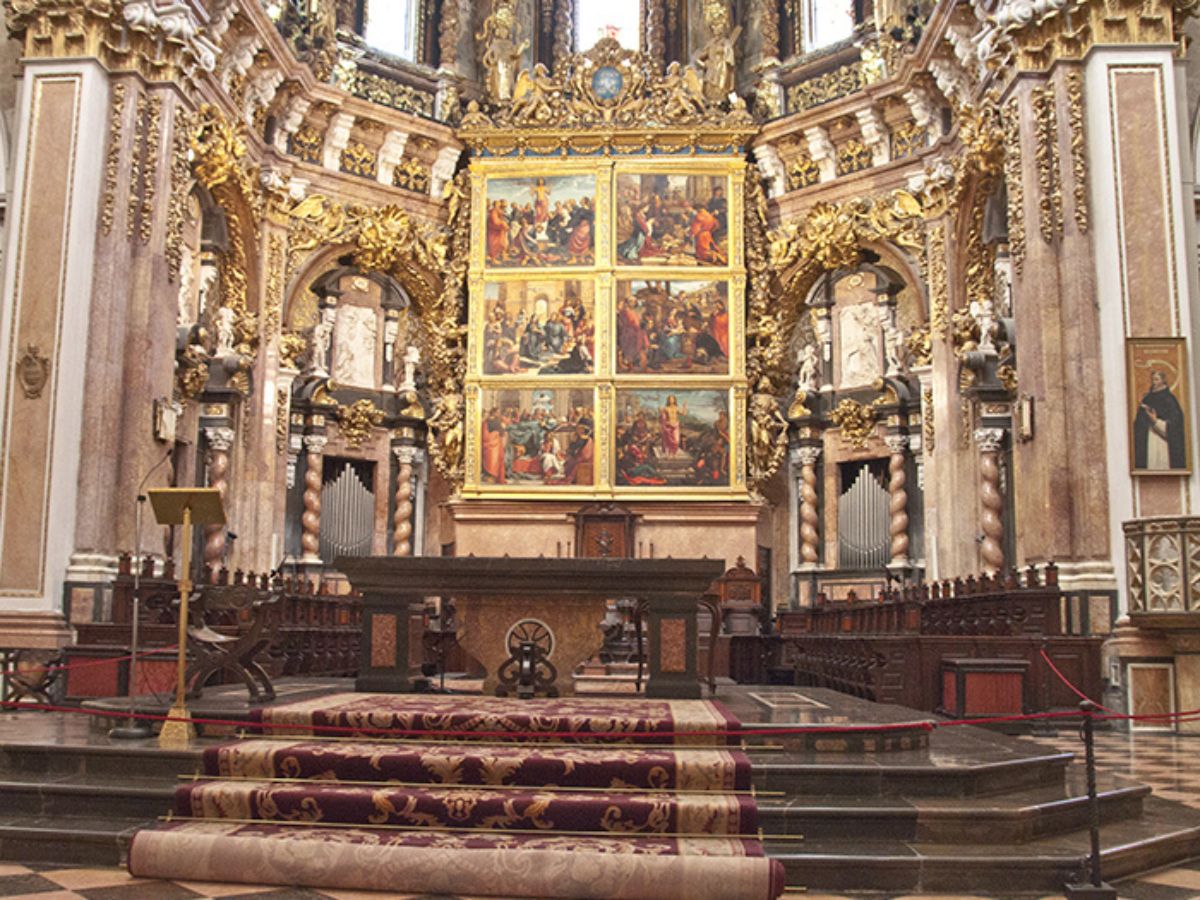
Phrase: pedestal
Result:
[392,652]
[671,623]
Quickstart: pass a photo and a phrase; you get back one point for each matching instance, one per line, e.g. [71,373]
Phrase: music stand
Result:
[186,507]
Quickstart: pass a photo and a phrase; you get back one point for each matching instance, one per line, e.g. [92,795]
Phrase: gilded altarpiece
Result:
[607,328]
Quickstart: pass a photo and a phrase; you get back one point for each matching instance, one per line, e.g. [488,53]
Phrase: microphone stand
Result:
[135,728]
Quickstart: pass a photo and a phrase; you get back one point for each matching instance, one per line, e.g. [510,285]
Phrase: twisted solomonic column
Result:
[310,521]
[897,444]
[402,518]
[810,519]
[990,499]
[219,441]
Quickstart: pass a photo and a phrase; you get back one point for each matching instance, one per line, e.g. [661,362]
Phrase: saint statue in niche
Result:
[1159,440]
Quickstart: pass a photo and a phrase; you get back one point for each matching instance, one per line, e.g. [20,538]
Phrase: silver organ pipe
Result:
[347,516]
[863,522]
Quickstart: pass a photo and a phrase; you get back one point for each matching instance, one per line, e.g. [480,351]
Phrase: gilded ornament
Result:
[283,402]
[1014,181]
[803,172]
[291,348]
[853,156]
[920,346]
[939,297]
[607,99]
[359,159]
[909,138]
[357,420]
[826,88]
[1007,376]
[717,59]
[1045,111]
[33,371]
[856,420]
[181,171]
[412,175]
[135,166]
[927,427]
[964,333]
[112,159]
[307,143]
[150,180]
[276,262]
[1079,165]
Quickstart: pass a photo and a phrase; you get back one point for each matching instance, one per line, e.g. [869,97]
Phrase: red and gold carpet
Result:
[648,813]
[681,722]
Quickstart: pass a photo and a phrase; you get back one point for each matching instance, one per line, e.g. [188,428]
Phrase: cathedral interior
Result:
[764,425]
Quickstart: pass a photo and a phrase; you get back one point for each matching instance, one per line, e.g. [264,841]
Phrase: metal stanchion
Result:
[1096,889]
[135,728]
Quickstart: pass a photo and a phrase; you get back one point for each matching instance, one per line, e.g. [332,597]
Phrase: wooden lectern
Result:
[186,507]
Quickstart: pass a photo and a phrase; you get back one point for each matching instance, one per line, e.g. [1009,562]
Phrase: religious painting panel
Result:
[1157,386]
[540,221]
[539,327]
[666,326]
[672,438]
[672,219]
[537,437]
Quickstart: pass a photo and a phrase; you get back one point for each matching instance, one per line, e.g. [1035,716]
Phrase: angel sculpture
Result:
[447,421]
[502,54]
[531,96]
[682,92]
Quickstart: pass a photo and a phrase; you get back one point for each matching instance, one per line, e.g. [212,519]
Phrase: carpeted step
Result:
[470,807]
[651,768]
[574,719]
[436,862]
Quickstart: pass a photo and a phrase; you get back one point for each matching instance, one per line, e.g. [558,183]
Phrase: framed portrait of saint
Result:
[1159,406]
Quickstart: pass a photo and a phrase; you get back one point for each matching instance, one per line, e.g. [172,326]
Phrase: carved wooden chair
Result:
[230,626]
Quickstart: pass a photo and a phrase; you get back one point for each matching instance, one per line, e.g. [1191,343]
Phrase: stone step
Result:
[914,773]
[75,796]
[1165,833]
[82,841]
[99,760]
[1008,818]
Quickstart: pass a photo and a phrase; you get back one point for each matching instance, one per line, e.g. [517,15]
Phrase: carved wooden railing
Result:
[318,632]
[892,648]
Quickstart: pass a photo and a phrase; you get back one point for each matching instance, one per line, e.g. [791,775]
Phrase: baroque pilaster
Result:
[402,518]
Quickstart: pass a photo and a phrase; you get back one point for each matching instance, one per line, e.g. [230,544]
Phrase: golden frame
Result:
[605,274]
[1143,357]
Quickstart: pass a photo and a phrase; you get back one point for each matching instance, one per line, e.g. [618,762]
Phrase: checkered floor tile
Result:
[1166,762]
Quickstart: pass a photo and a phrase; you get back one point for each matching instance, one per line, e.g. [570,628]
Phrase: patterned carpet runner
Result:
[522,817]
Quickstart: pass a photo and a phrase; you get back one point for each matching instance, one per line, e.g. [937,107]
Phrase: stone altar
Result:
[495,594]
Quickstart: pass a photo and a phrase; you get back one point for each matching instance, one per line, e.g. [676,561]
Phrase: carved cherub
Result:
[531,95]
[447,421]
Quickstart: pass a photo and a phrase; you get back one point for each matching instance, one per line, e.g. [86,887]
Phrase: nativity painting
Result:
[537,437]
[672,220]
[539,328]
[672,327]
[672,438]
[541,221]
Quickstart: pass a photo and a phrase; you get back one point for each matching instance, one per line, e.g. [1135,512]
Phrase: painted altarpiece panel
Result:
[554,407]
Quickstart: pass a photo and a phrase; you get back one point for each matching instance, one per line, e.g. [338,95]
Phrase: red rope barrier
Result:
[8,673]
[1076,691]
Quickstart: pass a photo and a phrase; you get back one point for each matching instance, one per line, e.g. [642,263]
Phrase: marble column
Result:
[810,520]
[897,444]
[402,517]
[310,537]
[991,502]
[219,441]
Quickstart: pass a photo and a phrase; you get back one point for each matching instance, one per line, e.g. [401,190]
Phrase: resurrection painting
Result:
[539,328]
[541,221]
[672,327]
[538,436]
[672,220]
[1156,379]
[672,438]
